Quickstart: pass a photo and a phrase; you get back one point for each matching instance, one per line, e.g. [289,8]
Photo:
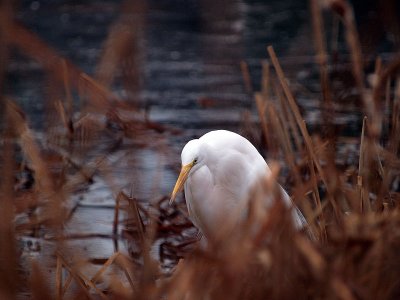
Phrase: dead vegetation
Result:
[351,207]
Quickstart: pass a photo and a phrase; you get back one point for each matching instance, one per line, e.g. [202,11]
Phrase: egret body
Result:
[219,171]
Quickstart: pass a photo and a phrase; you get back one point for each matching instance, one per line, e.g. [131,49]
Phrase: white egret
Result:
[219,171]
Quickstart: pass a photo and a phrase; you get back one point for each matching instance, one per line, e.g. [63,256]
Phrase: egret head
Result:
[191,159]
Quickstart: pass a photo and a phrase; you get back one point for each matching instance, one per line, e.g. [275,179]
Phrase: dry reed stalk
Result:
[384,187]
[314,215]
[66,285]
[244,67]
[327,105]
[114,51]
[362,172]
[262,99]
[99,96]
[377,255]
[261,108]
[86,174]
[67,115]
[38,287]
[289,148]
[381,81]
[85,283]
[64,117]
[104,267]
[116,214]
[323,150]
[290,157]
[353,42]
[6,18]
[334,42]
[387,96]
[317,200]
[392,147]
[394,137]
[183,281]
[86,128]
[319,41]
[341,290]
[134,208]
[314,258]
[371,102]
[288,152]
[67,90]
[126,265]
[292,103]
[386,107]
[149,271]
[265,79]
[122,51]
[79,236]
[296,112]
[44,181]
[322,61]
[8,248]
[59,279]
[378,159]
[345,12]
[287,115]
[8,251]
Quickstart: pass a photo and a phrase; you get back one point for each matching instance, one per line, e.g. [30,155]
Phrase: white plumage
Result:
[219,171]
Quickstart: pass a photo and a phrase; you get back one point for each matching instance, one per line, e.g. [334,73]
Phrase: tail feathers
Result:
[302,224]
[299,220]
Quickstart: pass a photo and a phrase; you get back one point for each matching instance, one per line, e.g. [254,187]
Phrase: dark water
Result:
[187,56]
[188,51]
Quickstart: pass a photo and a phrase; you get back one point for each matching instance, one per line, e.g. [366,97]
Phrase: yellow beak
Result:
[183,175]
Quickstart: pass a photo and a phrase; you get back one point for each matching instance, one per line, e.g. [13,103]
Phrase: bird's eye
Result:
[195,161]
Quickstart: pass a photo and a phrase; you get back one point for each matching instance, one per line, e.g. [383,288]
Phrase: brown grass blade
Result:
[38,286]
[59,279]
[288,116]
[322,61]
[314,258]
[261,108]
[82,280]
[104,267]
[43,179]
[296,112]
[244,67]
[126,265]
[8,247]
